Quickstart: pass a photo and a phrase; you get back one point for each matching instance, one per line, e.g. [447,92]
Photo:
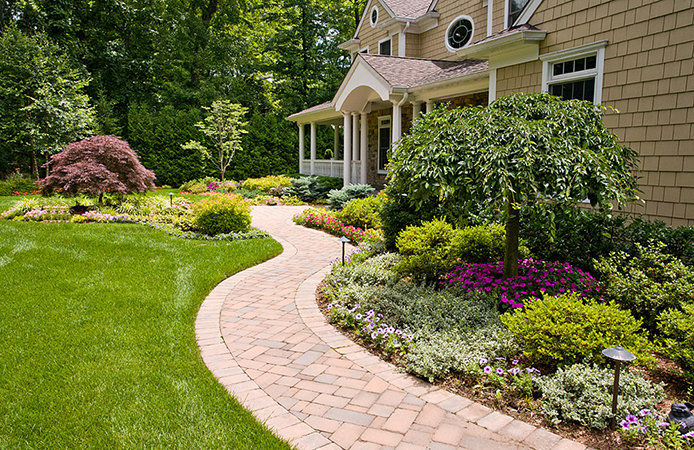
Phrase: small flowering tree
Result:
[223,129]
[97,165]
[522,150]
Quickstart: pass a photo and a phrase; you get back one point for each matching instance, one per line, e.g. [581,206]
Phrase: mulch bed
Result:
[665,371]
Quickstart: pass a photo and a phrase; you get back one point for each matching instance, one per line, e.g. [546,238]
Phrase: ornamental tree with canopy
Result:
[524,150]
[97,165]
[223,129]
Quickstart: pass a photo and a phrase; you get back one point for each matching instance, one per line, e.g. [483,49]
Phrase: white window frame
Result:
[378,16]
[389,38]
[596,49]
[363,50]
[381,119]
[448,29]
[525,15]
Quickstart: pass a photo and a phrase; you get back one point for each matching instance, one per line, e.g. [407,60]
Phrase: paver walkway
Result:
[262,335]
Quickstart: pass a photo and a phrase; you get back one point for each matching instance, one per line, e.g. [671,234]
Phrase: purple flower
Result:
[483,361]
[631,418]
[500,371]
[487,369]
[645,412]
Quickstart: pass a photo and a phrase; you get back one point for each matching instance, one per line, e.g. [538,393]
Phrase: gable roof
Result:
[410,72]
[408,9]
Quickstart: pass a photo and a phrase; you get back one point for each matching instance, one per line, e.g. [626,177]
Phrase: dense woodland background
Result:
[144,69]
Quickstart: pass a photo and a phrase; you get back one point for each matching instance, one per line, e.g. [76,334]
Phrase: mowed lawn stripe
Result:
[99,347]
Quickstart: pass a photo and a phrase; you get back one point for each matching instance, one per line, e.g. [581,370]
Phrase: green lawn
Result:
[99,349]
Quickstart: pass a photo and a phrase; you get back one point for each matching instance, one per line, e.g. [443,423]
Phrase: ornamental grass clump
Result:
[536,278]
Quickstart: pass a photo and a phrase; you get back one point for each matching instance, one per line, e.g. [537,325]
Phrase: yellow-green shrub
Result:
[266,183]
[221,214]
[362,212]
[568,329]
[427,250]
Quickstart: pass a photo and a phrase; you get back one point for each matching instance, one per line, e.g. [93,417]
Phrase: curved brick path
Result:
[262,335]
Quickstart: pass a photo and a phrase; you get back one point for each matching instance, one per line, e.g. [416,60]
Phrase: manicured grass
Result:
[99,349]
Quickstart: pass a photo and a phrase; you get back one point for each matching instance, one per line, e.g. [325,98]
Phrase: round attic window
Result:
[374,16]
[459,33]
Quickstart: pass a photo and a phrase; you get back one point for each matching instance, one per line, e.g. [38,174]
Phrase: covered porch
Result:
[377,102]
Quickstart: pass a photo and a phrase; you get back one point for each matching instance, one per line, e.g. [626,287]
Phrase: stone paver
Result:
[262,335]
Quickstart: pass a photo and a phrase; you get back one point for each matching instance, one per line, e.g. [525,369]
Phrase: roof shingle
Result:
[408,9]
[411,72]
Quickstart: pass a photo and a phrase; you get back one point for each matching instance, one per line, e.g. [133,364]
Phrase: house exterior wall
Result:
[369,36]
[434,41]
[648,78]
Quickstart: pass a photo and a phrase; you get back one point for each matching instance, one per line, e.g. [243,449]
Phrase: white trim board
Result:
[595,48]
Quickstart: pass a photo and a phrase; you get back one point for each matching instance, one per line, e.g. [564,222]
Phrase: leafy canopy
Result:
[525,148]
[96,165]
[223,128]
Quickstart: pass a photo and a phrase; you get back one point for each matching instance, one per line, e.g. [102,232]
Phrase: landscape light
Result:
[344,241]
[617,354]
[171,194]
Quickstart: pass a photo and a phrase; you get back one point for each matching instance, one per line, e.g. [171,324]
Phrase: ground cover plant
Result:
[530,345]
[98,326]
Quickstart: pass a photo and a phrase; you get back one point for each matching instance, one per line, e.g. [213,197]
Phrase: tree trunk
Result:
[101,198]
[34,165]
[511,253]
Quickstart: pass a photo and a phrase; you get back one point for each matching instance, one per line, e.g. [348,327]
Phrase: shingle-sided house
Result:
[636,56]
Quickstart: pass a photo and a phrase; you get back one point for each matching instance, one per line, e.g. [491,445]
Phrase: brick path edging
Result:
[291,394]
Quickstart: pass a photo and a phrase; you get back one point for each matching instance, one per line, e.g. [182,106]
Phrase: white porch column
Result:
[302,144]
[347,149]
[397,122]
[355,136]
[364,146]
[336,140]
[430,106]
[313,148]
[416,111]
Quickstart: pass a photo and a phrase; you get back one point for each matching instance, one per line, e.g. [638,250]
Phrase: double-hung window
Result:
[575,73]
[384,47]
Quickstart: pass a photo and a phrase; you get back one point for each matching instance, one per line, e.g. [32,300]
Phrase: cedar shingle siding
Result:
[648,77]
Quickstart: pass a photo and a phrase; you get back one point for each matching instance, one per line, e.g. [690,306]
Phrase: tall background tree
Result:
[153,65]
[43,103]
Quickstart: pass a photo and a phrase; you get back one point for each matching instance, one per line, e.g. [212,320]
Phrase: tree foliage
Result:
[531,150]
[43,101]
[223,128]
[153,66]
[97,165]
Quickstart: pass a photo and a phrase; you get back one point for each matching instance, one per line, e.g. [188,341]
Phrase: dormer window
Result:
[515,9]
[374,16]
[459,33]
[384,47]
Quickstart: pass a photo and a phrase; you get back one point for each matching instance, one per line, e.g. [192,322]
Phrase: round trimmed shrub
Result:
[569,329]
[221,214]
[427,250]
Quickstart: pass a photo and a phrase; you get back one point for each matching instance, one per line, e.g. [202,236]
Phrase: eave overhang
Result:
[509,49]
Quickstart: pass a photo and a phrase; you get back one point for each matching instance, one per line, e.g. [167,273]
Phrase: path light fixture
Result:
[619,355]
[171,194]
[344,241]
